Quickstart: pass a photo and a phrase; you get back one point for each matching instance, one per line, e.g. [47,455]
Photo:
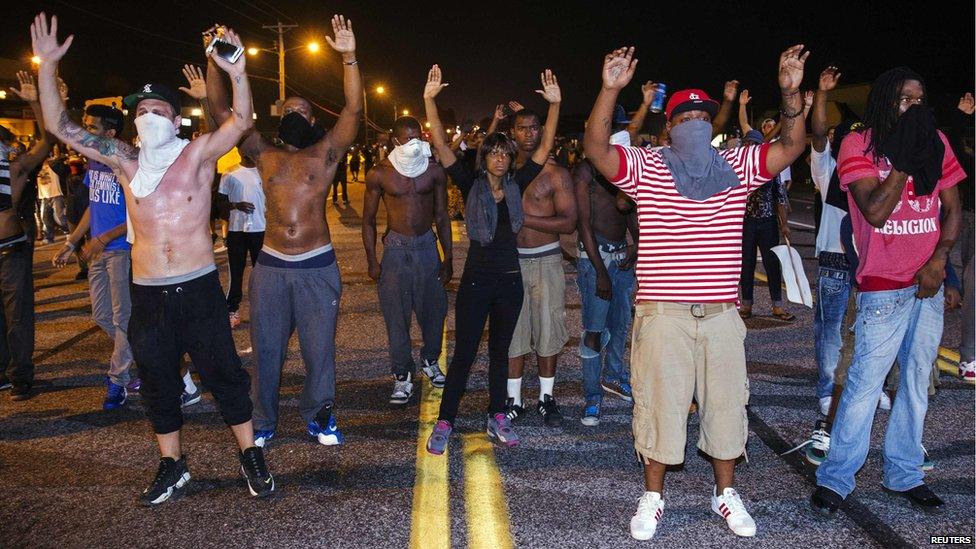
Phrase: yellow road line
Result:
[430,517]
[949,354]
[484,496]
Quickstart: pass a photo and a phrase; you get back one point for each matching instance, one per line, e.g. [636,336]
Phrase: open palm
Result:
[27,90]
[618,68]
[791,64]
[44,39]
[550,87]
[434,84]
[345,40]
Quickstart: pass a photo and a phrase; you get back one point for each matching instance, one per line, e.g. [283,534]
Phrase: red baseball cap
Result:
[690,100]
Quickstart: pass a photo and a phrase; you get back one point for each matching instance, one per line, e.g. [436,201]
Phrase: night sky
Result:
[493,51]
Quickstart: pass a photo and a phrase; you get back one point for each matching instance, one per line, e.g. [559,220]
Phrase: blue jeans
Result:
[611,319]
[890,325]
[833,291]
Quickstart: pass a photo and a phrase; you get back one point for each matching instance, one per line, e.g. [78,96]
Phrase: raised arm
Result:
[792,139]
[637,122]
[198,91]
[725,111]
[744,125]
[551,93]
[107,150]
[618,70]
[496,118]
[437,137]
[818,123]
[346,128]
[229,133]
[32,158]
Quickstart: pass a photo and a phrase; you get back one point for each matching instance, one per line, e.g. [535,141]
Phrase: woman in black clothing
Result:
[491,285]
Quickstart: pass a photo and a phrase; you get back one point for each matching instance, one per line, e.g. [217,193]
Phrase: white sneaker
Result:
[650,508]
[402,389]
[729,505]
[967,370]
[884,401]
[825,405]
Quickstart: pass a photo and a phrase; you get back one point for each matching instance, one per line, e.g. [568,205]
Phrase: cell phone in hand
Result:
[214,39]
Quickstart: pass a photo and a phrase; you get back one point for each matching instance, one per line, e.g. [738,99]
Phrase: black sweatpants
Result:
[189,317]
[764,234]
[497,299]
[239,245]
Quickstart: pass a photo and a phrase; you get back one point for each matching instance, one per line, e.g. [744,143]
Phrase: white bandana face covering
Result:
[410,158]
[620,138]
[158,149]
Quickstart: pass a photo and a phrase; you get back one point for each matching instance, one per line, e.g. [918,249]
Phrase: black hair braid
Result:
[881,113]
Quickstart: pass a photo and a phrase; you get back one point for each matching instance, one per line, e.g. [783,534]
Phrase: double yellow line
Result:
[484,493]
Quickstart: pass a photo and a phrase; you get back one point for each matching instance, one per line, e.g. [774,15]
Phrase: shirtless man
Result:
[550,210]
[606,280]
[296,280]
[177,303]
[16,264]
[412,276]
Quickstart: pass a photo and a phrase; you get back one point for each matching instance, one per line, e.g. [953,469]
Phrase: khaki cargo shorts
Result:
[541,325]
[679,350]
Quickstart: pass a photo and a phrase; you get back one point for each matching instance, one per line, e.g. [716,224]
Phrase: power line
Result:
[279,12]
[259,8]
[237,11]
[130,27]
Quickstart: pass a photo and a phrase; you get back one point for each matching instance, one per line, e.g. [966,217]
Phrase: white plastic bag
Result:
[797,285]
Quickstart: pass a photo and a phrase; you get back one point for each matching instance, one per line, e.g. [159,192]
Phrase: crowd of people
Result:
[668,231]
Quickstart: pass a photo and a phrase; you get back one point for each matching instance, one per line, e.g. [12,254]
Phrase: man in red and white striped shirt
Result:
[688,338]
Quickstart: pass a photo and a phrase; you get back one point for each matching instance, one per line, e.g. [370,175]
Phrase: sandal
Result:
[783,315]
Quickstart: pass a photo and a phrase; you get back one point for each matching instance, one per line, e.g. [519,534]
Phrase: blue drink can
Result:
[657,102]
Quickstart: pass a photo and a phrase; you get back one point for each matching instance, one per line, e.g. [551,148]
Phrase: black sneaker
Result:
[5,383]
[21,392]
[921,496]
[549,411]
[825,501]
[170,482]
[514,411]
[259,481]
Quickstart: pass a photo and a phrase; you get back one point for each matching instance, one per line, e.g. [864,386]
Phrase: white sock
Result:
[545,386]
[188,384]
[515,390]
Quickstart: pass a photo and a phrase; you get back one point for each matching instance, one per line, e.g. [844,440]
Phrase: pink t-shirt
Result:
[895,252]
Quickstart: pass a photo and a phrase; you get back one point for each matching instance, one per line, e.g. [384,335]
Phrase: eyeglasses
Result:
[905,100]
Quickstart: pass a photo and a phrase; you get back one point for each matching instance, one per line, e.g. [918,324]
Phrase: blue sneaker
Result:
[261,438]
[328,436]
[114,396]
[927,462]
[437,442]
[591,415]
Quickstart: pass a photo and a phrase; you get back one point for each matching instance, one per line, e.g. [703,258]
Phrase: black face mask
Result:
[295,130]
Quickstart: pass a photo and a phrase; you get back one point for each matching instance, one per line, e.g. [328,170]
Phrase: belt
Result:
[12,248]
[696,310]
[833,260]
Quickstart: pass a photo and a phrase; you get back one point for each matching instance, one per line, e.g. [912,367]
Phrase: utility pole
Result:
[365,117]
[280,29]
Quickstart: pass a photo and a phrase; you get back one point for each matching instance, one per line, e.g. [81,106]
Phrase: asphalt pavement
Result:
[70,473]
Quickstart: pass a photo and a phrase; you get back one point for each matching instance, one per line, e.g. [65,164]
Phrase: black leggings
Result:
[764,233]
[497,299]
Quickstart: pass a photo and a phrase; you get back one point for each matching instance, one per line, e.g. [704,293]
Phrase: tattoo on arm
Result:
[787,127]
[73,133]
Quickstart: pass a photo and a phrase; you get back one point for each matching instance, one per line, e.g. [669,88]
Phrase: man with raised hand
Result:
[412,275]
[550,210]
[688,338]
[295,283]
[177,302]
[16,263]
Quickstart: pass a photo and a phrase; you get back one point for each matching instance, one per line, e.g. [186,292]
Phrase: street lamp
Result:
[405,112]
[36,60]
[313,47]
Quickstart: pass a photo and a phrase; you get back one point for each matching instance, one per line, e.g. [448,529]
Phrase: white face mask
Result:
[410,158]
[154,130]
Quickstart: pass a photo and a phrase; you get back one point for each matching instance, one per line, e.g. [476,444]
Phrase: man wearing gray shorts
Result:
[411,276]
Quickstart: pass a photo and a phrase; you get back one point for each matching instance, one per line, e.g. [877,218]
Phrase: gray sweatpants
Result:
[283,299]
[108,284]
[408,285]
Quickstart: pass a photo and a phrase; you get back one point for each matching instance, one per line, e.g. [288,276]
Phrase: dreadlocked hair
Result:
[881,113]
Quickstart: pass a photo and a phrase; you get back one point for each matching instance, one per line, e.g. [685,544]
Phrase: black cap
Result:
[154,91]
